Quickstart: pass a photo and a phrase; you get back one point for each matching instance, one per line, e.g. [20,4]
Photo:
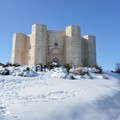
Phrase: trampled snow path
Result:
[46,98]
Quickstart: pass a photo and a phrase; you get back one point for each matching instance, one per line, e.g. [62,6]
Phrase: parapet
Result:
[73,29]
[38,27]
[89,37]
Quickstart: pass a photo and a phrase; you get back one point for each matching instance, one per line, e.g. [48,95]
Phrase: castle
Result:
[46,46]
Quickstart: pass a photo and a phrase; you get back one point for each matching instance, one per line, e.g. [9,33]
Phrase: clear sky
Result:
[95,17]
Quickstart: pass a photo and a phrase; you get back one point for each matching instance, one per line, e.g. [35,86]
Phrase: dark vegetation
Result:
[5,71]
[117,68]
[8,64]
[99,68]
[1,64]
[67,66]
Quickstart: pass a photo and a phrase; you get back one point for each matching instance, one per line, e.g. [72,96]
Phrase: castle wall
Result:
[73,46]
[39,44]
[19,54]
[45,46]
[90,50]
[85,48]
[56,46]
[83,52]
[27,46]
[31,50]
[68,46]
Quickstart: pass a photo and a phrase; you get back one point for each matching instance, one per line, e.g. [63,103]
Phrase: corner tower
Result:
[73,46]
[38,44]
[90,50]
[19,49]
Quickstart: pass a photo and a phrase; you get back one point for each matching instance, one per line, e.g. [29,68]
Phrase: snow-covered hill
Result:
[48,96]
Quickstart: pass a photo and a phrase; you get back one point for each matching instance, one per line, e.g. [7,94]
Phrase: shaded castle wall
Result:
[73,46]
[85,49]
[89,50]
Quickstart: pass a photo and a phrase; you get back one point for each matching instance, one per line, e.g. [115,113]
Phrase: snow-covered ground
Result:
[48,96]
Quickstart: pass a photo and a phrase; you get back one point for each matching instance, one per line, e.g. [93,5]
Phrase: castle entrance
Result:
[55,61]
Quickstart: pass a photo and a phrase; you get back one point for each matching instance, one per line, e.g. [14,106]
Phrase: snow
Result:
[51,95]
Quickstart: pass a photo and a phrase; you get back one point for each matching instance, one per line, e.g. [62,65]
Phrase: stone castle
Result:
[46,46]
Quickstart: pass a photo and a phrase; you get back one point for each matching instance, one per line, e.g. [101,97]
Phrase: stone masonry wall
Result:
[43,46]
[89,50]
[19,54]
[56,46]
[73,46]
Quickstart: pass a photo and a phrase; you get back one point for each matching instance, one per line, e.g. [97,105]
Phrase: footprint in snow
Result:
[3,110]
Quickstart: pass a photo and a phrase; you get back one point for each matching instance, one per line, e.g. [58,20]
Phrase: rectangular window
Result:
[55,44]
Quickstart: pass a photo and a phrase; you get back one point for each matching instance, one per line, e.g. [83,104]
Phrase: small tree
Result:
[8,64]
[1,64]
[67,67]
[49,66]
[99,68]
[16,64]
[117,68]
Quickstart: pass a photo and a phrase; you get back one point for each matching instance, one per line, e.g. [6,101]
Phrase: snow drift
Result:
[50,96]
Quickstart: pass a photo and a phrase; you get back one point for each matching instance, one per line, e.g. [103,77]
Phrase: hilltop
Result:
[54,95]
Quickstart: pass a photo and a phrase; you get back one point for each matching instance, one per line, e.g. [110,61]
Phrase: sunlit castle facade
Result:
[46,46]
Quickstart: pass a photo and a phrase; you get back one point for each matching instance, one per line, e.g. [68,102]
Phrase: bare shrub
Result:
[117,68]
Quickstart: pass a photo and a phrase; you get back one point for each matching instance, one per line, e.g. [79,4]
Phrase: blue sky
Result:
[95,17]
